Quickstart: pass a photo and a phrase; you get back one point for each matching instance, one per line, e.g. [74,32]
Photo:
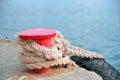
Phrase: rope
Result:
[35,56]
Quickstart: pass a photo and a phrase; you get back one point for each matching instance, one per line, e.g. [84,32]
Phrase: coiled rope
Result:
[35,56]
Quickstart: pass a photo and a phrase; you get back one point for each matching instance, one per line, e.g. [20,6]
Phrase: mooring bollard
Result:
[44,38]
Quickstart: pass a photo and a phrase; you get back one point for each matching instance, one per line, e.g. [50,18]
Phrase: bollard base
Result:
[43,71]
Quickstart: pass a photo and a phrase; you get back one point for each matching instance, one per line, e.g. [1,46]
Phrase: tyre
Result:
[100,66]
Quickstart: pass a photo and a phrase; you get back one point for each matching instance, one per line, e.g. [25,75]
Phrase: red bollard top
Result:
[42,35]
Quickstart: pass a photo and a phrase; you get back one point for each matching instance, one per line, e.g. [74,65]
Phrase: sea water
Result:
[90,24]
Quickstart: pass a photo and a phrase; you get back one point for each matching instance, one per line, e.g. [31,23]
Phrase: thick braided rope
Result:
[47,64]
[65,47]
[35,56]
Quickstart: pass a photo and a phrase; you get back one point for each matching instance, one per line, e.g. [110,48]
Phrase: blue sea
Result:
[90,24]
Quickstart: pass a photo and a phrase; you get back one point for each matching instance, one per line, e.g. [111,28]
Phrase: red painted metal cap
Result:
[43,35]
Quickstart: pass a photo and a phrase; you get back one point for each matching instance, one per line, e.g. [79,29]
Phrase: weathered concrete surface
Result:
[10,67]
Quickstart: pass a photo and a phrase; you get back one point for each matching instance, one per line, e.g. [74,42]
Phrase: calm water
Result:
[90,24]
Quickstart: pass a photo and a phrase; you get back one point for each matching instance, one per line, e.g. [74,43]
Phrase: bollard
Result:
[44,38]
